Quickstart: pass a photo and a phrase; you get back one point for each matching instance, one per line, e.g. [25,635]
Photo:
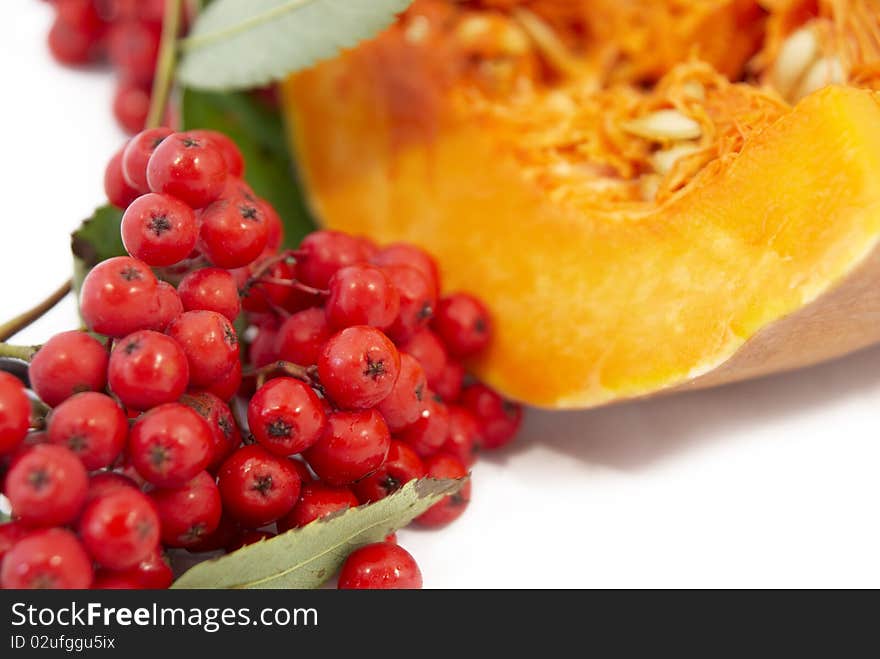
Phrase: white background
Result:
[768,483]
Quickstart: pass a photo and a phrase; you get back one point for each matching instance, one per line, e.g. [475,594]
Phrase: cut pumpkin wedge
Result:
[766,260]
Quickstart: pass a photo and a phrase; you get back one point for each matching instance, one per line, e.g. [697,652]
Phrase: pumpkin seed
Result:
[664,125]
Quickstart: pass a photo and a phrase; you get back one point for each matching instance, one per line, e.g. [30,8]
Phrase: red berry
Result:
[224,431]
[234,231]
[118,191]
[301,337]
[188,513]
[210,289]
[380,566]
[429,351]
[68,363]
[448,385]
[450,507]
[353,445]
[137,154]
[228,385]
[322,253]
[403,406]
[228,149]
[315,501]
[209,342]
[415,257]
[275,233]
[153,572]
[119,296]
[257,487]
[170,306]
[464,439]
[48,559]
[46,486]
[400,467]
[499,419]
[159,230]
[15,413]
[463,324]
[189,168]
[91,425]
[248,537]
[120,529]
[105,482]
[169,445]
[131,105]
[358,367]
[147,369]
[286,416]
[69,45]
[428,433]
[226,533]
[260,295]
[262,349]
[114,580]
[81,14]
[361,294]
[133,48]
[417,300]
[10,533]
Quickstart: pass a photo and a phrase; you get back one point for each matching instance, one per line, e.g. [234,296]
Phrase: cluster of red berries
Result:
[124,32]
[352,384]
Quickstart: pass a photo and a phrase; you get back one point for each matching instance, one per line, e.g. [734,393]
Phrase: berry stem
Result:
[165,64]
[23,353]
[293,283]
[288,368]
[12,327]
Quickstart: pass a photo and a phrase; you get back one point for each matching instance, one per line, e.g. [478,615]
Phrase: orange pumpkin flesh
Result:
[756,260]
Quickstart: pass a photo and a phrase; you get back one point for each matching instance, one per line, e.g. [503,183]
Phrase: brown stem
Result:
[292,283]
[165,63]
[304,373]
[23,353]
[12,327]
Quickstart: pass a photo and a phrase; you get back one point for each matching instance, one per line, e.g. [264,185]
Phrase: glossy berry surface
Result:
[119,296]
[450,382]
[361,294]
[15,413]
[258,487]
[227,148]
[189,513]
[46,486]
[451,507]
[404,405]
[402,464]
[170,306]
[137,154]
[301,337]
[225,434]
[499,419]
[47,559]
[210,289]
[120,529]
[148,369]
[418,299]
[428,433]
[233,232]
[412,256]
[462,323]
[187,167]
[91,425]
[353,445]
[322,253]
[286,416]
[209,342]
[358,367]
[68,363]
[464,439]
[315,501]
[119,192]
[159,230]
[427,348]
[380,566]
[169,445]
[131,105]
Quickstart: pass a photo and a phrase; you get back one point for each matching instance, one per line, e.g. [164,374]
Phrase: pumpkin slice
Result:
[628,241]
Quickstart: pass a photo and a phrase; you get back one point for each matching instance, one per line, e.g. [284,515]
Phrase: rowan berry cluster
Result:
[348,374]
[126,33]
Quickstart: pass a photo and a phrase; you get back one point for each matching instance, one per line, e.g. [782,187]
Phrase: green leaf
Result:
[98,238]
[236,44]
[309,556]
[4,518]
[259,132]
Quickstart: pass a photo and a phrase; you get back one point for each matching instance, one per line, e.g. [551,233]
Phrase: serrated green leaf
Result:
[236,44]
[97,239]
[259,133]
[307,557]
